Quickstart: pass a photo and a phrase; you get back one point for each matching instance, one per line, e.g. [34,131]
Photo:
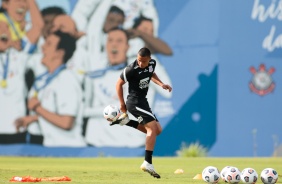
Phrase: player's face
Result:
[16,9]
[113,20]
[117,47]
[146,26]
[49,49]
[5,36]
[48,23]
[143,62]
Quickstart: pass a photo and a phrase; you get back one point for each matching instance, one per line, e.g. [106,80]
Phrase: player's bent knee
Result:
[159,131]
[153,127]
[159,128]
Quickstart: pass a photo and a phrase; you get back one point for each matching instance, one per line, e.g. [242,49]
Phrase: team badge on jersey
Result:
[262,82]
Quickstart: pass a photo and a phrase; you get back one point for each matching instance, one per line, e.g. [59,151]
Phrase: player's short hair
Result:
[139,20]
[115,9]
[53,10]
[144,52]
[67,43]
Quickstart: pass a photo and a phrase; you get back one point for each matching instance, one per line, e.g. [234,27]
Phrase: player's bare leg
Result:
[143,129]
[153,130]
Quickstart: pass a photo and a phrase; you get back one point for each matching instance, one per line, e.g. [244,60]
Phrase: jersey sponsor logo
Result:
[144,83]
[152,62]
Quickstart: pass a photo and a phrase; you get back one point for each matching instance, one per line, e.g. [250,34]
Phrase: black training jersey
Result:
[138,78]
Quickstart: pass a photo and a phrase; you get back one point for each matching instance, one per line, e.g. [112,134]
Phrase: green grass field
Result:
[125,170]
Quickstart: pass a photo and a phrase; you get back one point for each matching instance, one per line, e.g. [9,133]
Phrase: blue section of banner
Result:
[37,150]
[193,70]
[195,122]
[244,35]
[248,123]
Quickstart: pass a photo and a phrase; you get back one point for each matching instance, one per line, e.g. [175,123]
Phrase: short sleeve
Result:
[126,74]
[27,46]
[154,64]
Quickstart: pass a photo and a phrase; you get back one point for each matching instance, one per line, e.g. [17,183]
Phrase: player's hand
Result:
[167,87]
[123,108]
[33,103]
[23,122]
[20,123]
[133,33]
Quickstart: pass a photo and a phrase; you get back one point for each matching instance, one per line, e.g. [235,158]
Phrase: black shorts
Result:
[140,109]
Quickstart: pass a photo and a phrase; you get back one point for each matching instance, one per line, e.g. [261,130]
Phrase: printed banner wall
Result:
[60,61]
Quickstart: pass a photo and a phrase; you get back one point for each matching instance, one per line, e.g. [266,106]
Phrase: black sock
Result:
[133,124]
[148,156]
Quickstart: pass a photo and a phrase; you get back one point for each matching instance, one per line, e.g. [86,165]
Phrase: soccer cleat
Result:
[122,120]
[149,168]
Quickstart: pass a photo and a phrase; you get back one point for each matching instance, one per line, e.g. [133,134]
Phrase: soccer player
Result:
[56,96]
[138,75]
[13,64]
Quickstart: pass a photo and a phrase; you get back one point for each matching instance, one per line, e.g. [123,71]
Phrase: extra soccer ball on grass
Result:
[223,172]
[211,175]
[232,175]
[111,113]
[249,175]
[269,176]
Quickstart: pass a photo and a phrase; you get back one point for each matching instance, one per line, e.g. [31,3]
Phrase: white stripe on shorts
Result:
[146,112]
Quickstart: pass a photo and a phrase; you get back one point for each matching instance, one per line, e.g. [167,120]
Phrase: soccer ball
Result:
[269,176]
[210,174]
[232,175]
[223,171]
[111,113]
[249,175]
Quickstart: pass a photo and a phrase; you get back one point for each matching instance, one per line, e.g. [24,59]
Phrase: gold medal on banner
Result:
[81,72]
[35,94]
[3,83]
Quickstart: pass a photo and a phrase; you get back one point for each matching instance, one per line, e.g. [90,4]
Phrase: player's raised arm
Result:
[37,22]
[119,90]
[156,80]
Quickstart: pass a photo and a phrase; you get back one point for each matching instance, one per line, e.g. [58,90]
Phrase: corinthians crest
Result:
[262,82]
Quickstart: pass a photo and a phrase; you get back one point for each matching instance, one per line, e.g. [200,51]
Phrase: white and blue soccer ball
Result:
[269,176]
[223,171]
[111,113]
[211,175]
[249,175]
[233,175]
